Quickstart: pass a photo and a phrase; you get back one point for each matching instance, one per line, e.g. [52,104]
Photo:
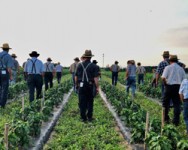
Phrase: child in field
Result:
[183,91]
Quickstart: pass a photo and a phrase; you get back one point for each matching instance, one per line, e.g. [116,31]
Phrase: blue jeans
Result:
[185,113]
[131,83]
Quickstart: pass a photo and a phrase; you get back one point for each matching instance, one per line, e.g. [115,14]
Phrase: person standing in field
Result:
[49,73]
[6,64]
[25,73]
[72,70]
[115,70]
[172,77]
[59,70]
[183,91]
[130,76]
[160,69]
[15,68]
[95,62]
[86,77]
[35,70]
[140,70]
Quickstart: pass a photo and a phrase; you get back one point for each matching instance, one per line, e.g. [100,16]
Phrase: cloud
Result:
[175,37]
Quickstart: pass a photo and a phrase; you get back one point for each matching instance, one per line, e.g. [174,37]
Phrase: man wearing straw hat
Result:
[160,69]
[15,68]
[5,73]
[172,77]
[49,73]
[86,77]
[35,70]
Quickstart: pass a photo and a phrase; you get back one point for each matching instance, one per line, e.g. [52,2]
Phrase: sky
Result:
[119,29]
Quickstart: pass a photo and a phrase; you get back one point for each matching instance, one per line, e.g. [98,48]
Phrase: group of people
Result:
[85,76]
[130,76]
[34,72]
[174,87]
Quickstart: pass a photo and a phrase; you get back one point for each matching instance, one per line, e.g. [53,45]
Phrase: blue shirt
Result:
[37,68]
[59,68]
[184,88]
[7,59]
[161,66]
[131,70]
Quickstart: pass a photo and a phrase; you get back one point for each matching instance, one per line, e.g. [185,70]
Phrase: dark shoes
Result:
[85,120]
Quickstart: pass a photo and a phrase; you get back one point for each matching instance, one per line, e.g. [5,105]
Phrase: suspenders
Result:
[84,72]
[47,67]
[1,59]
[33,66]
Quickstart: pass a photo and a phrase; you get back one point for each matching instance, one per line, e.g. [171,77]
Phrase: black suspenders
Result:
[33,66]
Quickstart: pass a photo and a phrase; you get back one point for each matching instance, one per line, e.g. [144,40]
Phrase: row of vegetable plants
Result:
[146,88]
[133,115]
[24,124]
[71,133]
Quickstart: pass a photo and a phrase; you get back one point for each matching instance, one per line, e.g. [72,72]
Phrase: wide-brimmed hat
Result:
[5,46]
[34,54]
[87,53]
[173,58]
[76,59]
[95,62]
[166,53]
[49,59]
[14,55]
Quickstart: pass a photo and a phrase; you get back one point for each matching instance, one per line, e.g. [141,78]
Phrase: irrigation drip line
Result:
[124,130]
[48,127]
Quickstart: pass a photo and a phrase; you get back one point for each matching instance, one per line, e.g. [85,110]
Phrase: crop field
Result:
[26,121]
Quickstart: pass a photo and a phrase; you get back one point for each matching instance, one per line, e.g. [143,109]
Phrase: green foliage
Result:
[158,142]
[182,144]
[172,133]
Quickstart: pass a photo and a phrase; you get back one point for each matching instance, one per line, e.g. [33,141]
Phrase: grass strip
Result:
[70,133]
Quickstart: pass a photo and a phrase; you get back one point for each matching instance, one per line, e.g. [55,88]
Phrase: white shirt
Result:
[184,88]
[174,74]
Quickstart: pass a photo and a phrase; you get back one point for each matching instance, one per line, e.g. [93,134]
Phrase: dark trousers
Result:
[171,92]
[114,78]
[4,84]
[34,82]
[86,101]
[58,74]
[185,113]
[141,78]
[48,78]
[73,81]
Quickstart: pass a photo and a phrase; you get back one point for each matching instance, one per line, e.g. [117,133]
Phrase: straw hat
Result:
[5,46]
[166,53]
[34,54]
[173,58]
[49,59]
[14,55]
[87,53]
